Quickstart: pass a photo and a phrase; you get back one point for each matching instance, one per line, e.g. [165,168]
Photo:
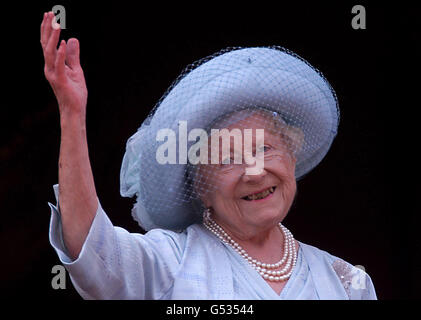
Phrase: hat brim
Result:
[292,95]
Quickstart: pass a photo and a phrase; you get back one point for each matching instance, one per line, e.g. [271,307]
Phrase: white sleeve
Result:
[116,264]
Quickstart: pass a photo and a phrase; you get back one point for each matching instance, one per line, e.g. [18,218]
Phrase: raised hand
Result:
[62,68]
[78,198]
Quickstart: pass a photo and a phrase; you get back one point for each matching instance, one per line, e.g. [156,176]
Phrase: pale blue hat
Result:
[271,78]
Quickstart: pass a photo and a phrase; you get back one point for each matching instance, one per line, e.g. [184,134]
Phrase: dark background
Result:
[358,204]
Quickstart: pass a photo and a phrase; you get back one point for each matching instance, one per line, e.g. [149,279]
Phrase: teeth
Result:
[261,195]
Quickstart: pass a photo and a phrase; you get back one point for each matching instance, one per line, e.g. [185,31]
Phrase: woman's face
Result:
[249,204]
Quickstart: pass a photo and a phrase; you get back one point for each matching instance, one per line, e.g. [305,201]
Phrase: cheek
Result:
[289,171]
[223,191]
[289,190]
[283,168]
[292,187]
[285,172]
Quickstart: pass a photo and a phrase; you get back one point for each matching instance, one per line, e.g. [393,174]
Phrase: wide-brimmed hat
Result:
[270,78]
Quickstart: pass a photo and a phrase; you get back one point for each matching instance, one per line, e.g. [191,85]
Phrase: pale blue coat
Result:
[194,264]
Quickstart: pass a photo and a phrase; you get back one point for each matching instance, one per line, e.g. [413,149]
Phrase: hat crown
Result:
[272,78]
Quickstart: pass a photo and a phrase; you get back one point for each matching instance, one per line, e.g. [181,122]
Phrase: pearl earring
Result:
[206,213]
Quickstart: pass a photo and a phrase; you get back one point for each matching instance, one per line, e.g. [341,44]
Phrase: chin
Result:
[268,218]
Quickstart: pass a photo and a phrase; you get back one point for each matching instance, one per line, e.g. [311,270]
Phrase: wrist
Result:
[69,116]
[72,121]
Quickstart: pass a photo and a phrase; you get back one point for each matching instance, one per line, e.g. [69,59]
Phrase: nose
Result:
[254,178]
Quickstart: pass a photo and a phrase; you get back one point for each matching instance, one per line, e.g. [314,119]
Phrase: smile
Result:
[261,195]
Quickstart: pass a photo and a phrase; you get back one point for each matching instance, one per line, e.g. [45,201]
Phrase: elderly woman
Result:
[214,170]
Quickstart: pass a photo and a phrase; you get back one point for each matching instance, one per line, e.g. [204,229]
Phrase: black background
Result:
[359,204]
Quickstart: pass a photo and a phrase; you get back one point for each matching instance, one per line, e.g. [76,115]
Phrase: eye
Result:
[230,159]
[264,148]
[226,160]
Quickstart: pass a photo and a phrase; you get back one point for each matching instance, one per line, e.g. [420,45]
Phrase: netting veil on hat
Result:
[217,91]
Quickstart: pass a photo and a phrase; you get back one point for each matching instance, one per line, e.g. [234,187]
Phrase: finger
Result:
[51,48]
[59,65]
[54,23]
[42,30]
[47,28]
[72,53]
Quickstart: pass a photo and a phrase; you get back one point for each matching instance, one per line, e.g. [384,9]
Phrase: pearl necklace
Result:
[266,270]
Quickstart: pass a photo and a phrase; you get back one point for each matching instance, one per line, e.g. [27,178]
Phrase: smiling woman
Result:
[247,208]
[214,230]
[249,204]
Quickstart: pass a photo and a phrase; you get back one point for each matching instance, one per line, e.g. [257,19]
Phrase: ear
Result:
[200,191]
[207,203]
[205,197]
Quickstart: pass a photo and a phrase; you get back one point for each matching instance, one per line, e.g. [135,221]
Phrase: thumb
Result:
[72,53]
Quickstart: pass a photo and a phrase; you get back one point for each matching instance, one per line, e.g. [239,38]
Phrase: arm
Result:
[78,198]
[105,262]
